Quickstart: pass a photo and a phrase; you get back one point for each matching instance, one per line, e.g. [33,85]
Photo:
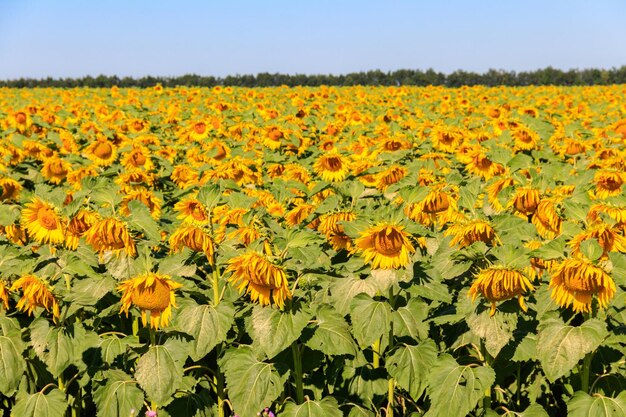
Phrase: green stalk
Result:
[376,353]
[487,361]
[152,336]
[297,365]
[390,390]
[218,381]
[584,375]
[216,286]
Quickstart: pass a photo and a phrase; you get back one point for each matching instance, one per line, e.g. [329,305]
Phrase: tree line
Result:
[545,76]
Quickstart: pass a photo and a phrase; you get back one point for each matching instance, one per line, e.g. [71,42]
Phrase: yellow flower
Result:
[153,293]
[16,234]
[608,183]
[607,237]
[101,152]
[385,246]
[467,232]
[191,211]
[264,281]
[499,284]
[574,282]
[110,234]
[42,222]
[55,170]
[4,295]
[526,200]
[546,219]
[390,176]
[78,225]
[194,238]
[9,189]
[146,197]
[35,293]
[331,167]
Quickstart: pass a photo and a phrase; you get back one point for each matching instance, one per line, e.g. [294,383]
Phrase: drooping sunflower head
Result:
[137,159]
[547,219]
[192,237]
[608,183]
[483,167]
[185,176]
[151,293]
[110,234]
[145,196]
[298,214]
[467,232]
[191,211]
[42,222]
[609,238]
[526,200]
[16,234]
[9,189]
[35,293]
[263,280]
[499,284]
[575,281]
[332,167]
[385,246]
[78,225]
[390,176]
[55,170]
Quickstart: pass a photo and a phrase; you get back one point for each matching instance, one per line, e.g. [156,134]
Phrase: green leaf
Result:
[591,249]
[52,404]
[363,380]
[344,290]
[159,371]
[9,214]
[88,291]
[327,407]
[331,334]
[410,320]
[357,411]
[276,330]
[585,405]
[175,266]
[552,250]
[370,319]
[111,346]
[560,347]
[496,331]
[119,396]
[454,389]
[140,219]
[251,384]
[210,196]
[533,410]
[59,347]
[12,363]
[207,324]
[526,349]
[410,366]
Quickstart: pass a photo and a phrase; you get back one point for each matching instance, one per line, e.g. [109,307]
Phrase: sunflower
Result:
[546,219]
[152,293]
[483,167]
[35,293]
[9,189]
[41,221]
[499,284]
[184,176]
[194,238]
[526,200]
[78,225]
[264,281]
[4,295]
[101,152]
[137,158]
[390,176]
[385,246]
[298,214]
[575,281]
[146,197]
[446,139]
[191,211]
[607,237]
[75,177]
[246,234]
[525,139]
[608,183]
[16,234]
[332,167]
[467,232]
[110,234]
[494,189]
[198,131]
[55,170]
[616,213]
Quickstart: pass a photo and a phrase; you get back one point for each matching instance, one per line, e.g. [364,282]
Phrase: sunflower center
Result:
[333,163]
[388,242]
[56,168]
[138,159]
[199,128]
[393,145]
[446,138]
[154,298]
[20,118]
[47,218]
[610,183]
[524,137]
[482,163]
[103,150]
[197,212]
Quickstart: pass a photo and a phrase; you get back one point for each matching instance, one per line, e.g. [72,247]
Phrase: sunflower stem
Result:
[376,353]
[152,336]
[216,286]
[135,326]
[584,375]
[297,365]
[390,390]
[487,362]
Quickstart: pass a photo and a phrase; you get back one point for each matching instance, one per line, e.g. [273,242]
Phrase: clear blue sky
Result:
[72,38]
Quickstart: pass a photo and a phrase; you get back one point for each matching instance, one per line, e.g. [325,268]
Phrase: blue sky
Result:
[71,38]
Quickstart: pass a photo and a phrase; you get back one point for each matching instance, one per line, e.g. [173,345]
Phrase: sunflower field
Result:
[313,252]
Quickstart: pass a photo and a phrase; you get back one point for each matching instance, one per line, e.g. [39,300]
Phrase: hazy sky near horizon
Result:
[74,38]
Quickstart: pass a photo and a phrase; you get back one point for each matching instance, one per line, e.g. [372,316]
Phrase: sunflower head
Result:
[16,234]
[4,295]
[191,211]
[264,281]
[385,246]
[9,189]
[468,232]
[608,183]
[110,234]
[55,170]
[526,200]
[42,222]
[547,219]
[192,237]
[499,284]
[101,152]
[151,293]
[390,176]
[575,281]
[332,167]
[78,225]
[35,293]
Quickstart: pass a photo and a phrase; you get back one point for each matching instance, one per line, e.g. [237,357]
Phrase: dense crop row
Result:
[313,252]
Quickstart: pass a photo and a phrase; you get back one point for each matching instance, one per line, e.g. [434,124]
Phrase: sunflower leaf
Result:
[141,219]
[370,319]
[560,347]
[410,320]
[454,389]
[585,405]
[326,407]
[51,404]
[276,330]
[159,371]
[331,334]
[410,365]
[496,331]
[207,324]
[118,396]
[12,363]
[251,383]
[591,249]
